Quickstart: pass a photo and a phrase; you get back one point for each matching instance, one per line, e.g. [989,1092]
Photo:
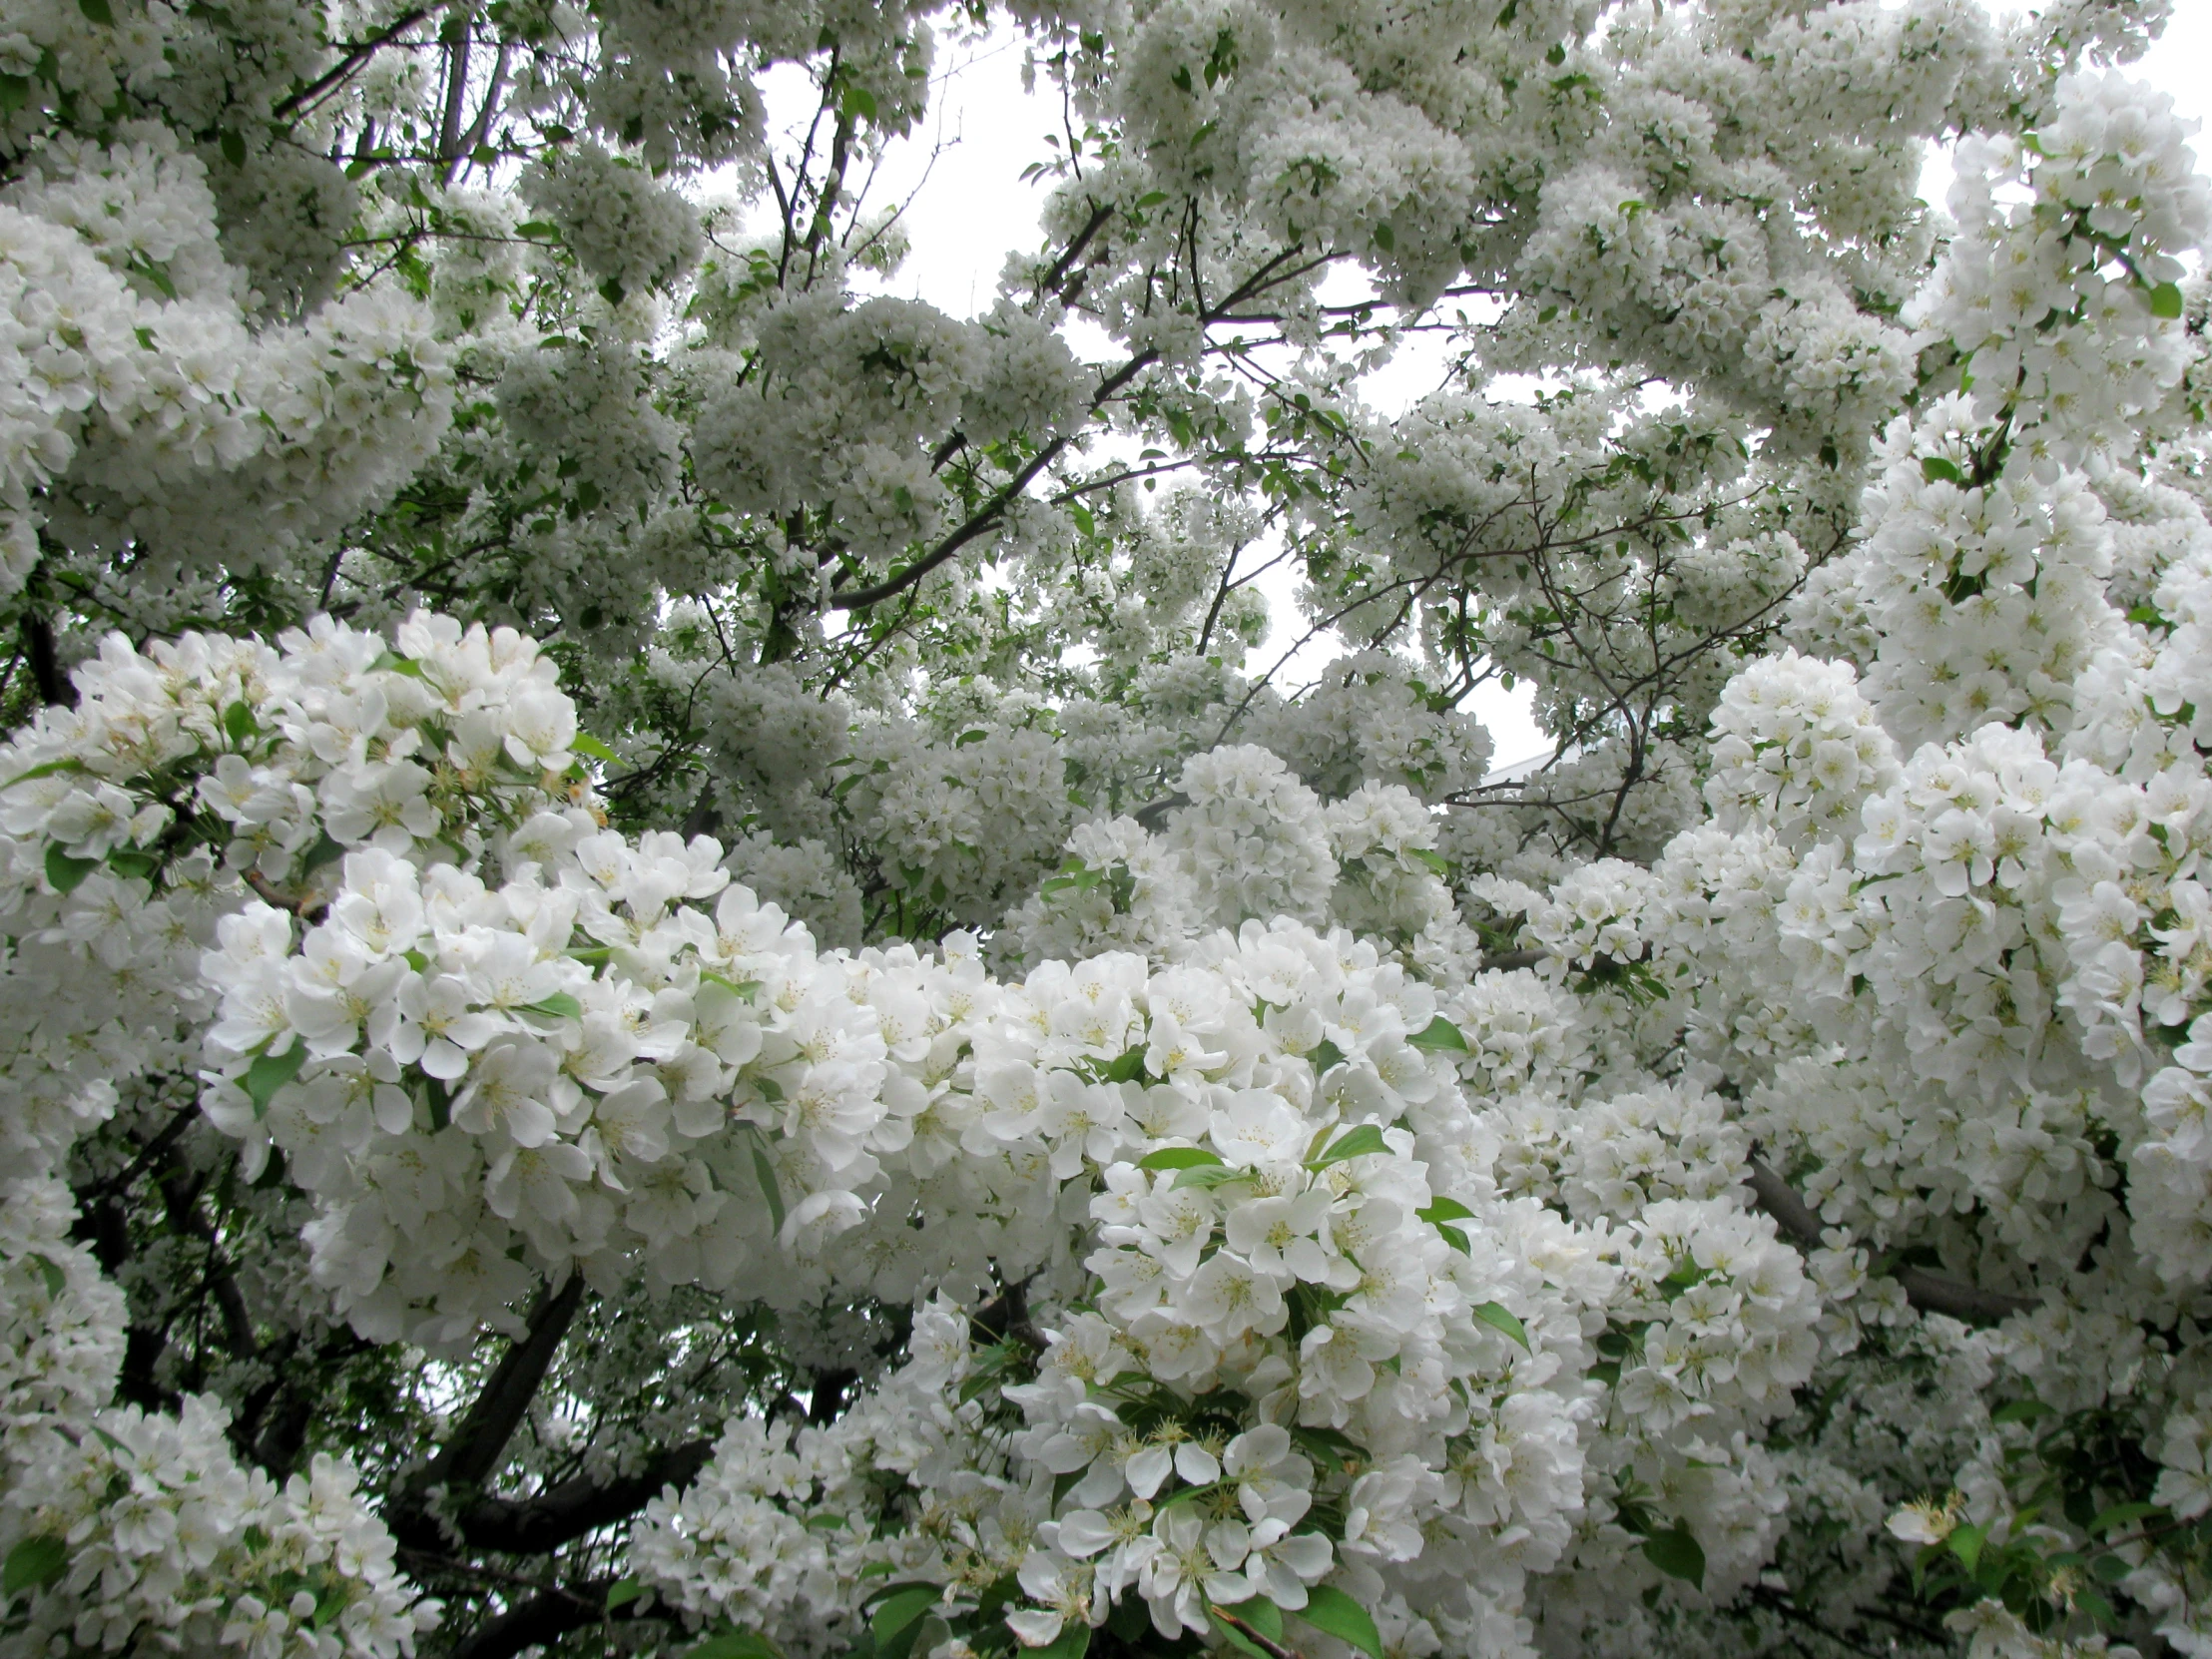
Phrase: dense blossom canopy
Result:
[668,985]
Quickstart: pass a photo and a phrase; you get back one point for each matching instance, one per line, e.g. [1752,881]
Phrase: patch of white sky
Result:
[965,207]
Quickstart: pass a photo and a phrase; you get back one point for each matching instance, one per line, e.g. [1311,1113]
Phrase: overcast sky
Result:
[971,206]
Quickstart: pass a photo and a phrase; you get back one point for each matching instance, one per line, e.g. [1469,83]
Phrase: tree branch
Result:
[546,1617]
[469,1458]
[1931,1293]
[356,56]
[541,1524]
[38,645]
[993,510]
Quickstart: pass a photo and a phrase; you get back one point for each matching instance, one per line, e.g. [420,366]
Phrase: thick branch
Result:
[46,673]
[546,1617]
[356,56]
[474,1451]
[1931,1293]
[993,510]
[1153,813]
[542,1524]
[469,1458]
[1007,1315]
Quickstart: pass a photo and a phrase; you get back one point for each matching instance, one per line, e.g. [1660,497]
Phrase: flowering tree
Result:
[666,991]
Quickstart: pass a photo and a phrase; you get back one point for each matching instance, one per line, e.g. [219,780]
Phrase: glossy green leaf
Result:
[1128,1066]
[1440,1035]
[33,1564]
[2165,301]
[1500,1318]
[1073,1641]
[2123,1514]
[1678,1554]
[1221,1619]
[763,1171]
[901,1608]
[1356,1142]
[45,769]
[1334,1613]
[270,1072]
[734,1644]
[56,1280]
[1178,1157]
[1208,1175]
[65,874]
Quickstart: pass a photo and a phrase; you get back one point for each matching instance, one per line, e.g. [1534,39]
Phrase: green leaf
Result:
[56,1280]
[1435,861]
[64,873]
[1073,1641]
[97,11]
[33,1564]
[1356,1141]
[901,1608]
[132,864]
[1325,1056]
[860,103]
[270,1072]
[1178,1157]
[612,291]
[2020,1410]
[731,1644]
[1677,1554]
[1187,1494]
[438,1102]
[585,744]
[624,1592]
[1966,1542]
[1210,1176]
[2123,1514]
[2096,1607]
[1440,1035]
[323,852]
[1500,1318]
[1445,1209]
[1262,1614]
[1386,237]
[763,1171]
[744,990]
[1128,1066]
[560,1006]
[15,91]
[1935,470]
[1334,1613]
[46,769]
[1235,1638]
[2165,301]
